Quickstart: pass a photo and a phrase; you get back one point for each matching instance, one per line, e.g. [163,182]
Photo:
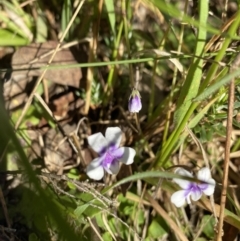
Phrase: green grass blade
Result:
[216,86]
[66,15]
[192,83]
[7,133]
[172,11]
[12,26]
[111,14]
[171,142]
[8,38]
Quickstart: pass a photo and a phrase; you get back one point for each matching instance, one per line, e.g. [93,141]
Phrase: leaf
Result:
[195,120]
[41,27]
[12,26]
[157,228]
[208,226]
[107,237]
[80,209]
[173,11]
[66,15]
[111,14]
[229,217]
[216,86]
[8,38]
[147,175]
[193,79]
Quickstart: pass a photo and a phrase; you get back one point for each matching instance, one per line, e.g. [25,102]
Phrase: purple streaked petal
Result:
[113,167]
[184,184]
[134,104]
[95,170]
[118,153]
[97,142]
[107,160]
[113,136]
[125,155]
[112,148]
[195,193]
[178,198]
[209,189]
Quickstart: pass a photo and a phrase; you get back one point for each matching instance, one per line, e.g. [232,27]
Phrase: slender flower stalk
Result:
[192,190]
[134,103]
[110,154]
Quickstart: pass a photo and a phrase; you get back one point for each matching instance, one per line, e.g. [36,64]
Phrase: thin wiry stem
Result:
[227,149]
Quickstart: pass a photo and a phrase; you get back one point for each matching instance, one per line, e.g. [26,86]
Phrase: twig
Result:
[236,63]
[95,229]
[29,101]
[165,216]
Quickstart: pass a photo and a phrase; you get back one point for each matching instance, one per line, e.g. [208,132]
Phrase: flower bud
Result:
[134,103]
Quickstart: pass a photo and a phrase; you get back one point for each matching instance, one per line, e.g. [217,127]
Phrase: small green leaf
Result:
[208,226]
[80,209]
[157,228]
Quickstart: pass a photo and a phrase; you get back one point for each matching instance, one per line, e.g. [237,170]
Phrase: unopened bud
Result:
[134,103]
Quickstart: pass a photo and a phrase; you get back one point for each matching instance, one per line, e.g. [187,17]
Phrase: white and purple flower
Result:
[134,103]
[110,154]
[192,190]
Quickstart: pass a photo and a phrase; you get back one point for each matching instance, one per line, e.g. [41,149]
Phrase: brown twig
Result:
[235,64]
[165,216]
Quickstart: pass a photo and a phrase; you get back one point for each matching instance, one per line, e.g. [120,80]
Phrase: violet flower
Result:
[192,190]
[134,103]
[110,154]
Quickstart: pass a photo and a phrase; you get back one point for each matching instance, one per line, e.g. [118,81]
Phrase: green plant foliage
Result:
[158,228]
[179,56]
[208,226]
[111,14]
[107,237]
[8,38]
[33,237]
[72,174]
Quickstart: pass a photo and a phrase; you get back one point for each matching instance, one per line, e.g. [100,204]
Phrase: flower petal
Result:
[95,170]
[113,168]
[204,174]
[181,182]
[196,194]
[113,136]
[178,198]
[97,142]
[209,189]
[125,155]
